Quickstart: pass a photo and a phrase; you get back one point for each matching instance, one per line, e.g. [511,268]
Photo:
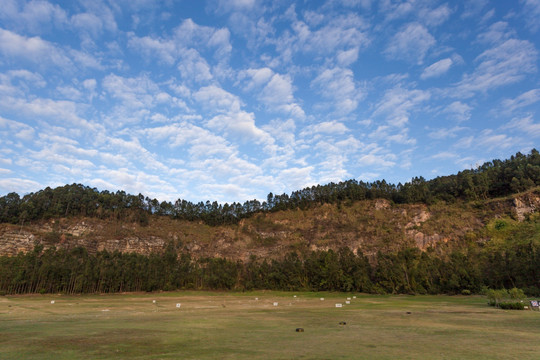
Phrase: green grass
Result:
[214,325]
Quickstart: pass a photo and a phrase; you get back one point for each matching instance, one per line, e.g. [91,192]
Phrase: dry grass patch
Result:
[237,326]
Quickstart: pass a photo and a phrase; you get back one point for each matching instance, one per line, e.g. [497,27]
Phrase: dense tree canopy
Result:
[409,271]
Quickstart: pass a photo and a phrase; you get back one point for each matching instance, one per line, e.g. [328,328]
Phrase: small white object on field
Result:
[347,302]
[354,297]
[153,301]
[275,304]
[322,299]
[256,298]
[348,298]
[52,301]
[294,295]
[178,305]
[339,305]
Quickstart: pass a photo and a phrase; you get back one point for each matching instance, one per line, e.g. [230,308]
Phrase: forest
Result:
[409,271]
[492,179]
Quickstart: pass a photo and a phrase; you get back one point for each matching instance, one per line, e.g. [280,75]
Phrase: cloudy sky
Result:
[229,100]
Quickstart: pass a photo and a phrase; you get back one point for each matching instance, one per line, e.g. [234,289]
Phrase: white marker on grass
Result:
[178,305]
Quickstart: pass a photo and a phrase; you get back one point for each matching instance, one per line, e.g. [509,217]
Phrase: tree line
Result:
[492,179]
[408,271]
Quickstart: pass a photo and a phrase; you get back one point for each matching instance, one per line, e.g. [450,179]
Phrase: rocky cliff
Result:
[367,225]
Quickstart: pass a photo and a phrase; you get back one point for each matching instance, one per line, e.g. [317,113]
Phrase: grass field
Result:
[213,325]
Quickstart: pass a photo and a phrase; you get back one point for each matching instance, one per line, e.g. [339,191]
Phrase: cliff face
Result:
[368,225]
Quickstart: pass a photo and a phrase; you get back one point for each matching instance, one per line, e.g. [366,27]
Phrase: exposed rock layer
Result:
[368,225]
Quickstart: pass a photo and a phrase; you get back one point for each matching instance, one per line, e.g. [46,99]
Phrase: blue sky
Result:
[230,100]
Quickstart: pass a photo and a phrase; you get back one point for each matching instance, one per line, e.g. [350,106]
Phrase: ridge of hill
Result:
[447,212]
[367,225]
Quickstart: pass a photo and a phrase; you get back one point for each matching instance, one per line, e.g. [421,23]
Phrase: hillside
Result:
[368,225]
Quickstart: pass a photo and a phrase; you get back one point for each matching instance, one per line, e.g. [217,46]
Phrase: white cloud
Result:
[411,44]
[398,103]
[240,126]
[35,79]
[33,49]
[19,185]
[487,139]
[531,12]
[134,92]
[338,84]
[435,17]
[437,69]
[445,133]
[133,181]
[274,90]
[183,45]
[366,4]
[217,99]
[17,129]
[497,33]
[445,155]
[87,22]
[283,131]
[473,8]
[232,166]
[233,5]
[296,177]
[421,10]
[165,50]
[339,34]
[33,15]
[347,57]
[525,125]
[191,34]
[86,60]
[257,77]
[193,66]
[137,97]
[59,111]
[325,128]
[459,111]
[278,90]
[135,153]
[508,106]
[490,140]
[368,176]
[396,9]
[504,64]
[377,160]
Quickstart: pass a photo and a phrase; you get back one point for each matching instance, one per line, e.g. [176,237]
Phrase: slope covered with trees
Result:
[510,261]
